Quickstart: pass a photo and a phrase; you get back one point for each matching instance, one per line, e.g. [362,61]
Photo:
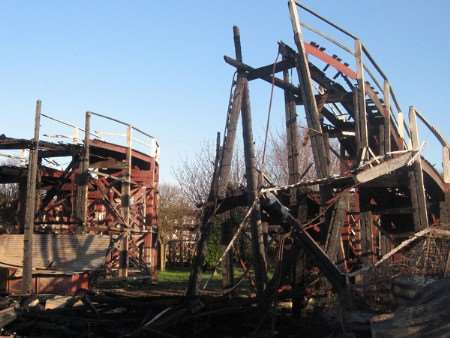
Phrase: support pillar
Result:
[252,189]
[417,188]
[27,276]
[126,193]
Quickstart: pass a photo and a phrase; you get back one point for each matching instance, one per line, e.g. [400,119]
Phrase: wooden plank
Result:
[366,237]
[384,168]
[109,164]
[328,59]
[242,67]
[334,232]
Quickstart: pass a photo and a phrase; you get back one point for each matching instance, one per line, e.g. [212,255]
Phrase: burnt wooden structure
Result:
[343,224]
[106,188]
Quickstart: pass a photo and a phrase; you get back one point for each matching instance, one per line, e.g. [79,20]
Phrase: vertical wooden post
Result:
[22,203]
[27,277]
[446,163]
[231,123]
[318,141]
[387,117]
[334,232]
[222,177]
[360,110]
[401,128]
[366,237]
[291,132]
[417,188]
[252,188]
[126,200]
[85,173]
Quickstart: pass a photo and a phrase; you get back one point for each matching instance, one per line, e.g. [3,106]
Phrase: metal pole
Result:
[27,279]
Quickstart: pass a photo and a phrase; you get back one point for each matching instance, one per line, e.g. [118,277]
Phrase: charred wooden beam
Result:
[222,176]
[318,141]
[328,268]
[291,132]
[231,123]
[252,187]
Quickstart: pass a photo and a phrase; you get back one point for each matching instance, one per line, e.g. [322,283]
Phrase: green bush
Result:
[213,249]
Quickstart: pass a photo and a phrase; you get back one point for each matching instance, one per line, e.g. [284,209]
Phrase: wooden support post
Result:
[126,200]
[355,96]
[252,188]
[401,129]
[366,237]
[27,275]
[334,232]
[22,203]
[446,164]
[387,117]
[360,109]
[417,188]
[85,174]
[291,132]
[290,108]
[381,138]
[222,176]
[318,141]
[231,123]
[227,261]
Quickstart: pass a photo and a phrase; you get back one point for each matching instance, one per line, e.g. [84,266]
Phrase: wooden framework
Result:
[106,189]
[385,191]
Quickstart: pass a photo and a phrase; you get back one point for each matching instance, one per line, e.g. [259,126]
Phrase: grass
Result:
[176,278]
[180,277]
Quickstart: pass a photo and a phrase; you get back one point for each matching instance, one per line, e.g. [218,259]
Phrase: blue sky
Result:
[159,64]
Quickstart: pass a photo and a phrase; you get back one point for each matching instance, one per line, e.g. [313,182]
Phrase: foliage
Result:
[214,249]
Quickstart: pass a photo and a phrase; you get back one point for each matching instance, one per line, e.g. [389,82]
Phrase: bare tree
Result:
[173,207]
[194,175]
[276,158]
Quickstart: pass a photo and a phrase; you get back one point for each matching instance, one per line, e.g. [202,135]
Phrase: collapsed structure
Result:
[385,198]
[102,204]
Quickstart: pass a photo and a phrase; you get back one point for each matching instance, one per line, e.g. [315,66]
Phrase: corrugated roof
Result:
[65,253]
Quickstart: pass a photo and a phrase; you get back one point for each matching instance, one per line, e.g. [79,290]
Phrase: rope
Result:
[269,111]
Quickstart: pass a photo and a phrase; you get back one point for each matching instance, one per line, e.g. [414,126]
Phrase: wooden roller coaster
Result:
[346,224]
